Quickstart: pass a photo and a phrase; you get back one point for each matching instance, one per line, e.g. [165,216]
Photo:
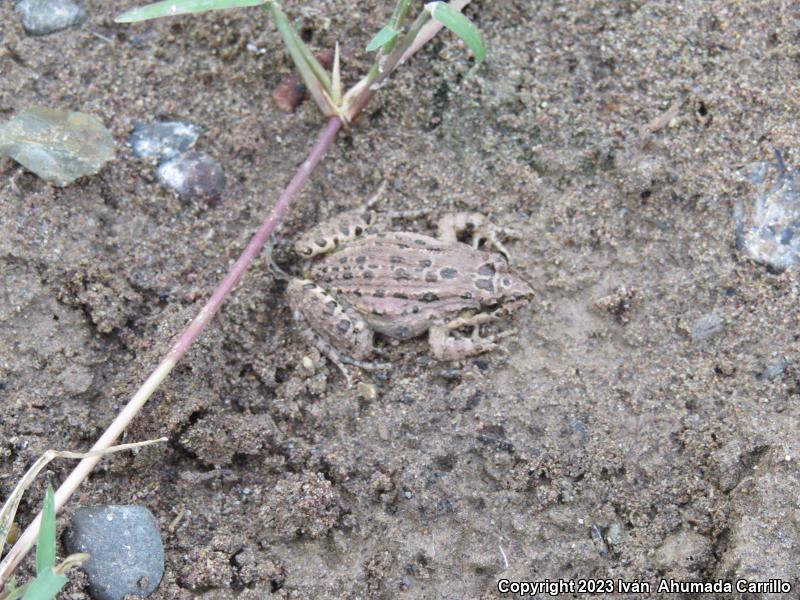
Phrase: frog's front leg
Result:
[475,224]
[444,346]
[337,331]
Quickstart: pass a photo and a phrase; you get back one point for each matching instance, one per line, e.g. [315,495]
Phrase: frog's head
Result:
[513,290]
[509,289]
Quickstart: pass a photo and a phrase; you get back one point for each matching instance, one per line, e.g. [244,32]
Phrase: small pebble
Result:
[774,369]
[683,553]
[368,391]
[76,379]
[127,556]
[707,326]
[193,175]
[58,146]
[291,91]
[41,17]
[162,140]
[616,536]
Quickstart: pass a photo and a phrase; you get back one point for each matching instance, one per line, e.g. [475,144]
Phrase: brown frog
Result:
[402,284]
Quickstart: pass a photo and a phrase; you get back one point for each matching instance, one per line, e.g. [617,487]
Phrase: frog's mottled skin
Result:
[402,284]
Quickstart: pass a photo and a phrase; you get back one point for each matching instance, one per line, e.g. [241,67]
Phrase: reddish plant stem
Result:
[187,338]
[257,241]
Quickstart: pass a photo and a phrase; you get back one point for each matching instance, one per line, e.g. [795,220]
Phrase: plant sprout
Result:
[49,577]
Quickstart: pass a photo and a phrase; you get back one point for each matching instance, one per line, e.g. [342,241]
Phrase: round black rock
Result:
[193,175]
[124,542]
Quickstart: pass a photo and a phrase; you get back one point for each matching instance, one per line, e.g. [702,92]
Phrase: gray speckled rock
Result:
[124,542]
[59,146]
[166,139]
[41,17]
[768,228]
[707,326]
[193,175]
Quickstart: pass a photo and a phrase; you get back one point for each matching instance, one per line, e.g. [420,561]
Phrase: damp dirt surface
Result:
[642,422]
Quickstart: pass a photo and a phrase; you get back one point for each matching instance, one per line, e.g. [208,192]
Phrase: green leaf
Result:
[45,586]
[460,25]
[169,8]
[383,37]
[46,545]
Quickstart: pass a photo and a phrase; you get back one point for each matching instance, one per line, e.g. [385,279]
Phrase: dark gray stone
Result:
[163,140]
[193,175]
[127,556]
[41,17]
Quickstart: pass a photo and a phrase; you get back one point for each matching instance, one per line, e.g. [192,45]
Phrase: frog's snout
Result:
[514,288]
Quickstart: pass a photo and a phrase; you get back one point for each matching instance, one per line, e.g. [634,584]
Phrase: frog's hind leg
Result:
[338,331]
[475,224]
[328,235]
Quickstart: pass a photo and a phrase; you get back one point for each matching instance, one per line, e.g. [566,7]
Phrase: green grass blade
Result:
[12,592]
[461,26]
[170,8]
[399,14]
[46,545]
[45,587]
[383,37]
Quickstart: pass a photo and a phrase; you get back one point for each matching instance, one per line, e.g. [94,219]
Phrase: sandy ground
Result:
[608,442]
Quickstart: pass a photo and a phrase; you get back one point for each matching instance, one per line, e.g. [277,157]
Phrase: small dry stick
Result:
[665,118]
[187,338]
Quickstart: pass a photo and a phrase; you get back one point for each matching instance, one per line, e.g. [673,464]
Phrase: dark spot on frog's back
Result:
[309,286]
[330,307]
[379,293]
[320,242]
[448,273]
[402,333]
[484,284]
[345,230]
[400,296]
[343,326]
[420,242]
[369,275]
[486,270]
[396,260]
[429,297]
[401,275]
[361,260]
[431,277]
[425,263]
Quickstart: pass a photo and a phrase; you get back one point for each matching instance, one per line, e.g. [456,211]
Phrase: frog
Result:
[362,278]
